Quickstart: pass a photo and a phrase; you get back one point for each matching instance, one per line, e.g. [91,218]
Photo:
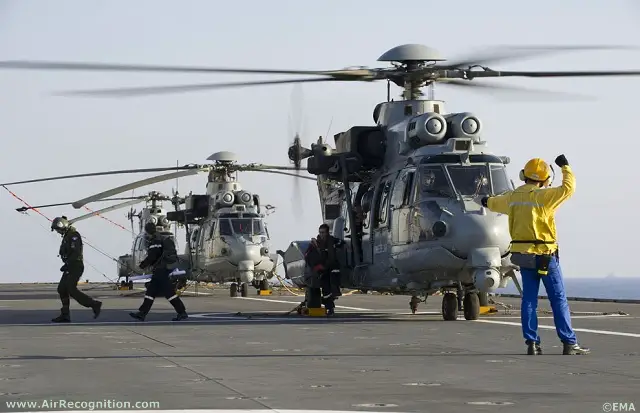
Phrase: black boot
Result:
[533,348]
[97,306]
[140,316]
[62,318]
[574,350]
[180,317]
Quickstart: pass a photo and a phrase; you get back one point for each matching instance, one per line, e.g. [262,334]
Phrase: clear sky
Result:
[44,135]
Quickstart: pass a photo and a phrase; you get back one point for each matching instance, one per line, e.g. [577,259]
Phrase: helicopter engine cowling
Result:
[427,129]
[244,198]
[226,199]
[463,125]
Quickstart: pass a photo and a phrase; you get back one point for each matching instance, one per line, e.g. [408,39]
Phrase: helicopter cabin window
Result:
[382,206]
[470,180]
[499,180]
[432,181]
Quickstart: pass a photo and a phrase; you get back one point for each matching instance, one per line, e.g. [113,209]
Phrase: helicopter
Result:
[227,239]
[415,178]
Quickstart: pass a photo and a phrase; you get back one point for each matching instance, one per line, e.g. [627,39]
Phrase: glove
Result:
[561,161]
[485,201]
[63,268]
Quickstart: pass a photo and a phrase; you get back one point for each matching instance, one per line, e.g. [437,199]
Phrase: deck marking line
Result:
[581,330]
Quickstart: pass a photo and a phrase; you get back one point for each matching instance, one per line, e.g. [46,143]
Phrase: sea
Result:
[610,287]
[626,288]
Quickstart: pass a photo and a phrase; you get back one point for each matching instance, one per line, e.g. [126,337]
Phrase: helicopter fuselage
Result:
[424,228]
[232,247]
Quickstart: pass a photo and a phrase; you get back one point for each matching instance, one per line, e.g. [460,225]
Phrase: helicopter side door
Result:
[201,251]
[381,220]
[400,207]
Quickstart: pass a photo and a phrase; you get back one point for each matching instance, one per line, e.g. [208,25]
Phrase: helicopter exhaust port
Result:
[486,279]
[439,229]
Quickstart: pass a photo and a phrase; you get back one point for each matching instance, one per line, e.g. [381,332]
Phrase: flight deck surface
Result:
[246,353]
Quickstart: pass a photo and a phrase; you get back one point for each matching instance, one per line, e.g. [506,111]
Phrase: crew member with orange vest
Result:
[534,248]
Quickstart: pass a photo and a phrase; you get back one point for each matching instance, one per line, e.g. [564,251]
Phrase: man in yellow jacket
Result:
[534,248]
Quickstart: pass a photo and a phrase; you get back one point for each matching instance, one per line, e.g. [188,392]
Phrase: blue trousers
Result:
[557,297]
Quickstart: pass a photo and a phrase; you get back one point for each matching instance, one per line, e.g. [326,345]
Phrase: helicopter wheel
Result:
[484,299]
[471,306]
[233,290]
[244,290]
[450,307]
[264,285]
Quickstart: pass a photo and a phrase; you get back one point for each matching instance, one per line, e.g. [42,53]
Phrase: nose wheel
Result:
[244,290]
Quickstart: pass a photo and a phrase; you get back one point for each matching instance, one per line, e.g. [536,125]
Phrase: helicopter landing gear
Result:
[484,299]
[244,290]
[471,306]
[413,304]
[264,285]
[450,306]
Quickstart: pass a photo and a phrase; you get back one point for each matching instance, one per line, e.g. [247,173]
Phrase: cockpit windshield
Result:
[499,179]
[475,180]
[433,182]
[242,226]
[470,180]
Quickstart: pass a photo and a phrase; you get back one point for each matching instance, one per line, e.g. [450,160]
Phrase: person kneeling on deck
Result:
[322,258]
[161,254]
[531,208]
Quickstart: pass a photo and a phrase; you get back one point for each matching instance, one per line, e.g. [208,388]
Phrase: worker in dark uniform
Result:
[321,256]
[531,209]
[72,269]
[161,255]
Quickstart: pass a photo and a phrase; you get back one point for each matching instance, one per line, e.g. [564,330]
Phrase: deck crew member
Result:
[72,269]
[161,254]
[321,256]
[531,209]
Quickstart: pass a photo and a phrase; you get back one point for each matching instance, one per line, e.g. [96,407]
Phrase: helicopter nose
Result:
[479,230]
[247,253]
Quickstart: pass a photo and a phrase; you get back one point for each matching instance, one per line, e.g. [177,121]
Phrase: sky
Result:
[46,135]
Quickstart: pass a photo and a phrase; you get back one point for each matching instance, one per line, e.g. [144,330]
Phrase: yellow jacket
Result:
[531,213]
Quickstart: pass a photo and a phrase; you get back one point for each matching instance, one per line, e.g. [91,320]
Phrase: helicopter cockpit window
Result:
[433,182]
[225,227]
[470,180]
[242,226]
[500,180]
[258,227]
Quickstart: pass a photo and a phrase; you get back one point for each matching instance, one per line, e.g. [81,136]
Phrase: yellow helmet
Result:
[536,170]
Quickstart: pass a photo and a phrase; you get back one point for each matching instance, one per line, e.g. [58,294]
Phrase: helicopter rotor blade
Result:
[158,90]
[133,185]
[104,210]
[282,173]
[25,208]
[545,74]
[120,172]
[107,67]
[513,90]
[296,116]
[502,53]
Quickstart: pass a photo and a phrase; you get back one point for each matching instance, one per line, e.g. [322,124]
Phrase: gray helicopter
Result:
[415,178]
[226,233]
